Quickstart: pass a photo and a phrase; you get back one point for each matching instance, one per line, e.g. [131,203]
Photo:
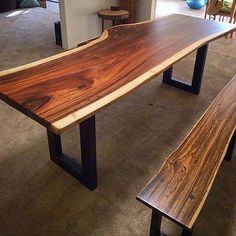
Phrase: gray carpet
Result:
[134,136]
[27,35]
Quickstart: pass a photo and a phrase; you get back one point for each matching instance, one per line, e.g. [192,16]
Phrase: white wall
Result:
[80,23]
[79,20]
[146,10]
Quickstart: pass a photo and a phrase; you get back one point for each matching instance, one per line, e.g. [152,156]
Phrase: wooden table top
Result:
[63,90]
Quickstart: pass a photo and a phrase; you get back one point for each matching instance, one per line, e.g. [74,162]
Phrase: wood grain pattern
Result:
[68,88]
[182,185]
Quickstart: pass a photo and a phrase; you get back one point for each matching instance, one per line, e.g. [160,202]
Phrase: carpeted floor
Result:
[27,35]
[134,136]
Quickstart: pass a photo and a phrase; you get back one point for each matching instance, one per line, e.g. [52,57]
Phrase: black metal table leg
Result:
[187,232]
[195,86]
[230,150]
[199,68]
[102,25]
[155,229]
[88,151]
[87,172]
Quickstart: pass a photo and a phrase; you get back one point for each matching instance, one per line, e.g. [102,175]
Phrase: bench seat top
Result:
[65,89]
[181,187]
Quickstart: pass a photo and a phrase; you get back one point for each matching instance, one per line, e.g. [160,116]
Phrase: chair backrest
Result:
[234,9]
[213,7]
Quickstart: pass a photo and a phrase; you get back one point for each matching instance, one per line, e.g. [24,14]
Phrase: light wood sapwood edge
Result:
[64,123]
[103,37]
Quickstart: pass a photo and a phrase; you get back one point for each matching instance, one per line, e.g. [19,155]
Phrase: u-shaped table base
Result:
[195,86]
[87,172]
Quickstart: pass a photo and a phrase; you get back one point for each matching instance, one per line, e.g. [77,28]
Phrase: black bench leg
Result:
[230,150]
[87,172]
[155,229]
[195,86]
[187,232]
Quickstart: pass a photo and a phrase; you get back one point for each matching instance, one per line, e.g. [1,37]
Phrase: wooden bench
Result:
[181,187]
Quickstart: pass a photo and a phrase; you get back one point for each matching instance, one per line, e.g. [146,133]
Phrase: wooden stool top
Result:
[113,15]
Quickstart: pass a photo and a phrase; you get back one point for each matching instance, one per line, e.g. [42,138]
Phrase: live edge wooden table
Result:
[64,90]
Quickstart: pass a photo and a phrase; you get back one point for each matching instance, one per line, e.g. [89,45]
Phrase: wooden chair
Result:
[224,10]
[179,190]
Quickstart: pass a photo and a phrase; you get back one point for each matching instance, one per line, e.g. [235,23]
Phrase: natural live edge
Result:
[19,107]
[195,216]
[48,59]
[68,121]
[103,37]
[192,220]
[191,223]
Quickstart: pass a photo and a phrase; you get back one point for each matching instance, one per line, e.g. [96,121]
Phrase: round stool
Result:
[117,17]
